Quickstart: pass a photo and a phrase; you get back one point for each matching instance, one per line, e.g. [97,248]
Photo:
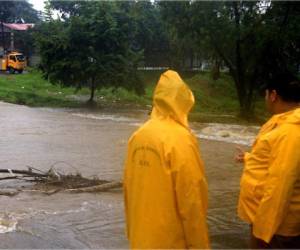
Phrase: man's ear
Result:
[273,95]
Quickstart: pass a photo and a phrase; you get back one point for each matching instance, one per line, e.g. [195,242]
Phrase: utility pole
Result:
[2,35]
[12,44]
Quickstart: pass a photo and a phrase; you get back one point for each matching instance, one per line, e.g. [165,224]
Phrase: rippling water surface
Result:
[94,144]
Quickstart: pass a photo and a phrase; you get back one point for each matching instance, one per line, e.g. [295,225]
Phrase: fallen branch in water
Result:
[98,188]
[52,181]
[28,172]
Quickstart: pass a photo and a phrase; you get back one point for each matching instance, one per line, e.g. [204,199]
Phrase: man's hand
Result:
[239,156]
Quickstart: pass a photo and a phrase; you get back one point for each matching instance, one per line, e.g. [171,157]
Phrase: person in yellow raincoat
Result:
[270,185]
[164,184]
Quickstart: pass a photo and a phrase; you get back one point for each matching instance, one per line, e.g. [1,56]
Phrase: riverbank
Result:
[216,101]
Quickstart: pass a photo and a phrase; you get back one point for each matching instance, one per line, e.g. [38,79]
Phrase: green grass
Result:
[215,97]
[121,95]
[216,101]
[32,90]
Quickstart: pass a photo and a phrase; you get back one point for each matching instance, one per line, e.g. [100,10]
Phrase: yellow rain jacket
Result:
[164,183]
[270,184]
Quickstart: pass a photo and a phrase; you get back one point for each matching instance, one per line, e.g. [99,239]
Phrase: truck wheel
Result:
[11,70]
[20,71]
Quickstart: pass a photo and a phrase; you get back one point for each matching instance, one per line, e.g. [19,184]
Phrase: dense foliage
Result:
[254,39]
[91,46]
[99,43]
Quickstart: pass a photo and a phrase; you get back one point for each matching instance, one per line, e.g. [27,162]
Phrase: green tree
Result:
[67,8]
[181,37]
[91,48]
[151,35]
[18,12]
[47,11]
[254,39]
[281,37]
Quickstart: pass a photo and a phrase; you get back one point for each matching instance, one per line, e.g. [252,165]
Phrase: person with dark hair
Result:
[165,189]
[287,87]
[270,184]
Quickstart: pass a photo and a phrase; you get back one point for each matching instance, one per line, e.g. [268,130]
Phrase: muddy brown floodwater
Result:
[94,144]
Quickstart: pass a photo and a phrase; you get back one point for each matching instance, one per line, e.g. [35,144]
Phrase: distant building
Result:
[7,33]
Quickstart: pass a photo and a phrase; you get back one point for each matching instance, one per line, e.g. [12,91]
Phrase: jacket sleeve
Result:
[191,196]
[283,173]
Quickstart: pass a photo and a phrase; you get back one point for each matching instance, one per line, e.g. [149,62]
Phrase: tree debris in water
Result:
[52,181]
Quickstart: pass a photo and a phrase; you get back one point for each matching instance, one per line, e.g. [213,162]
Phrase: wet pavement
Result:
[94,144]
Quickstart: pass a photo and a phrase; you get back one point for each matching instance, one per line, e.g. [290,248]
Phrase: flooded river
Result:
[94,144]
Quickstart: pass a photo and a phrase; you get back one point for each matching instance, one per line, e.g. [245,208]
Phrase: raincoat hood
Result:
[172,98]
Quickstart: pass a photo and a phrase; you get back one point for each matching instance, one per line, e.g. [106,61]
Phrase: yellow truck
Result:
[13,62]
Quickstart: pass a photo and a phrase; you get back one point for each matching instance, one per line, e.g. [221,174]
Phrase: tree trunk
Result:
[215,72]
[245,91]
[247,109]
[192,59]
[237,70]
[247,101]
[93,86]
